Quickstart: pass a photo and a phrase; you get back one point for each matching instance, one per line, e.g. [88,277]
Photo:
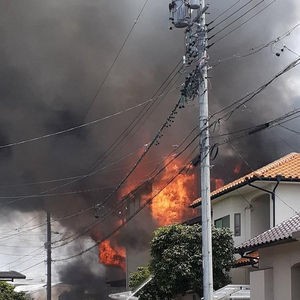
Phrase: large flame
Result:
[112,255]
[171,205]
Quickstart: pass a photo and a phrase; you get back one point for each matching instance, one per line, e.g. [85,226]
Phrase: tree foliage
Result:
[7,292]
[176,261]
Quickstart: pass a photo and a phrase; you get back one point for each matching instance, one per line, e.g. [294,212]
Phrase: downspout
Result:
[272,193]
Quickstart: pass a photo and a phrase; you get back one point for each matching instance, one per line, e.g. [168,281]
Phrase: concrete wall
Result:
[280,259]
[261,285]
[296,282]
[240,275]
[260,214]
[287,201]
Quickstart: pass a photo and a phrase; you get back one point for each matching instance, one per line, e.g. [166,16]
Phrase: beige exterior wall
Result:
[280,259]
[287,201]
[261,285]
[243,201]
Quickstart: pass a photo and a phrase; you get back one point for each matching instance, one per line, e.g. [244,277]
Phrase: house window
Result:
[237,224]
[223,222]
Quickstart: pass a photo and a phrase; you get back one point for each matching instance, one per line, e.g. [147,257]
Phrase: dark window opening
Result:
[223,222]
[237,224]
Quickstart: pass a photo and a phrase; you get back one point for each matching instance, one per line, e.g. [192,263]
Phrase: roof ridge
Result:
[276,163]
[266,172]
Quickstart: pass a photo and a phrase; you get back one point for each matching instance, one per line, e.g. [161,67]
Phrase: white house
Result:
[278,273]
[257,202]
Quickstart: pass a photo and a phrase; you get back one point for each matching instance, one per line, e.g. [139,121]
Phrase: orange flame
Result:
[237,169]
[171,205]
[217,182]
[112,256]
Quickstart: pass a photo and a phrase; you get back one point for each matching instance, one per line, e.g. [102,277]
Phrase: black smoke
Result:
[54,56]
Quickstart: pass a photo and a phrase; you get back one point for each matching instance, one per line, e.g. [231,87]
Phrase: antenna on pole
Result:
[190,14]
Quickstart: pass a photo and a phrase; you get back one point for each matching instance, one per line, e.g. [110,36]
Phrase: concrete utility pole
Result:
[205,166]
[195,86]
[49,260]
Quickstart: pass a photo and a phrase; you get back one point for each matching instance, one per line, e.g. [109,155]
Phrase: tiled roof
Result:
[287,167]
[281,232]
[251,259]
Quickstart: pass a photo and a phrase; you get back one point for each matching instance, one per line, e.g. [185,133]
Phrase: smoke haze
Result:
[54,56]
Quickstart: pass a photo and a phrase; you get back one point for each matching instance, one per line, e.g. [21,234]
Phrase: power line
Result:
[239,103]
[35,265]
[132,194]
[116,57]
[291,130]
[122,225]
[242,24]
[247,163]
[38,138]
[246,132]
[256,49]
[248,97]
[228,17]
[224,12]
[235,20]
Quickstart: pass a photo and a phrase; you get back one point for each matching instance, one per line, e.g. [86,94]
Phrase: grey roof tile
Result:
[282,231]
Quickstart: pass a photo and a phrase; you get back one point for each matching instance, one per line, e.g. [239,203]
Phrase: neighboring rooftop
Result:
[11,275]
[287,168]
[280,233]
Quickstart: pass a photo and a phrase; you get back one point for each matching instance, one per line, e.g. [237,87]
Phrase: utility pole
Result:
[190,14]
[49,261]
[205,166]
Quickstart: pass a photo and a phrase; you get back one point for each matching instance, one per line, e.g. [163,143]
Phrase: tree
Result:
[176,261]
[7,292]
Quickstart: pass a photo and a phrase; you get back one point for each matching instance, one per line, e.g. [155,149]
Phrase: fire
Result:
[171,205]
[112,255]
[237,169]
[218,183]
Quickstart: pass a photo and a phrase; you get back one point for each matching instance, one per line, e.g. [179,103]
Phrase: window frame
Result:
[224,220]
[237,226]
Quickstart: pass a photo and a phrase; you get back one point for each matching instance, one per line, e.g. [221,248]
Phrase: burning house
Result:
[155,203]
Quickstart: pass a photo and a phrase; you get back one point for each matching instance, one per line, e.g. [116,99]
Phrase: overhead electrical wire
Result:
[119,205]
[256,49]
[147,202]
[235,105]
[249,166]
[235,20]
[99,88]
[224,12]
[291,130]
[248,97]
[83,125]
[232,14]
[121,225]
[158,135]
[246,132]
[238,103]
[241,25]
[32,266]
